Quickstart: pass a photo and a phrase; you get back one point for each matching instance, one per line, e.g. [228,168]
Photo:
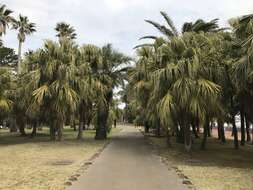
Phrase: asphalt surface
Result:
[128,163]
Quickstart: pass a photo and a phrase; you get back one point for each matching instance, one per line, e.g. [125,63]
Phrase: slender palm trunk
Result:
[194,130]
[52,130]
[247,129]
[187,138]
[197,124]
[209,130]
[158,129]
[60,130]
[81,123]
[180,134]
[115,123]
[236,144]
[221,131]
[19,56]
[101,128]
[242,126]
[205,134]
[34,131]
[168,138]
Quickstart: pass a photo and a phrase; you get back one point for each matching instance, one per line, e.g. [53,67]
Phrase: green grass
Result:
[220,167]
[34,163]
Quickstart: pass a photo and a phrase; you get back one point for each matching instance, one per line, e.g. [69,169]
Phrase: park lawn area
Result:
[38,163]
[220,167]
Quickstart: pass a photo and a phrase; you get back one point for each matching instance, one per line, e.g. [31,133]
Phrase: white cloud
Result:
[120,22]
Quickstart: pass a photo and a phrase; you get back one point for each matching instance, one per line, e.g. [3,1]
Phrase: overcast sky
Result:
[120,22]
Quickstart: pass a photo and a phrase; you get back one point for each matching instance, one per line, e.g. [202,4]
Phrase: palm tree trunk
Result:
[168,142]
[209,130]
[247,129]
[81,123]
[221,131]
[72,122]
[52,130]
[205,134]
[21,125]
[158,129]
[19,56]
[197,124]
[187,138]
[242,126]
[146,126]
[101,128]
[34,131]
[12,125]
[115,123]
[236,144]
[194,130]
[59,130]
[179,134]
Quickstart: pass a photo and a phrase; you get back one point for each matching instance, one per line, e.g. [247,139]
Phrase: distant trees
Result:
[8,57]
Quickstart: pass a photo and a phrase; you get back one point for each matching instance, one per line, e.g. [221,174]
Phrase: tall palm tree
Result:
[65,31]
[243,68]
[110,72]
[85,84]
[54,93]
[24,27]
[5,19]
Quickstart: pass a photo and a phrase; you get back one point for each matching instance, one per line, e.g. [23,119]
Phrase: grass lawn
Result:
[38,163]
[220,167]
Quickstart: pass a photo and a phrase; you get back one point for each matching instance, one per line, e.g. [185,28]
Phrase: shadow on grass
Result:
[216,154]
[69,137]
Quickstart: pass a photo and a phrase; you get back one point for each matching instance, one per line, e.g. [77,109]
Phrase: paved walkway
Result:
[128,163]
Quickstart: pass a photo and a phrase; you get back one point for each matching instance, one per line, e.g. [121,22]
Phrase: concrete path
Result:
[128,163]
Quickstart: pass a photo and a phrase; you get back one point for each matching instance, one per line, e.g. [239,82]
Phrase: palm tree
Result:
[5,19]
[171,31]
[24,28]
[202,26]
[177,78]
[65,31]
[110,72]
[85,84]
[242,69]
[54,92]
[5,79]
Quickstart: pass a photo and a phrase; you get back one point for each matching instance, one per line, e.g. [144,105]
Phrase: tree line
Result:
[195,78]
[59,83]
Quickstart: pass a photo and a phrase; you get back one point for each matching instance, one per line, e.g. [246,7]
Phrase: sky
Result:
[120,22]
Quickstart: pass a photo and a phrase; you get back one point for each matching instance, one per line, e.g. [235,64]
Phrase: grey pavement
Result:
[128,163]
